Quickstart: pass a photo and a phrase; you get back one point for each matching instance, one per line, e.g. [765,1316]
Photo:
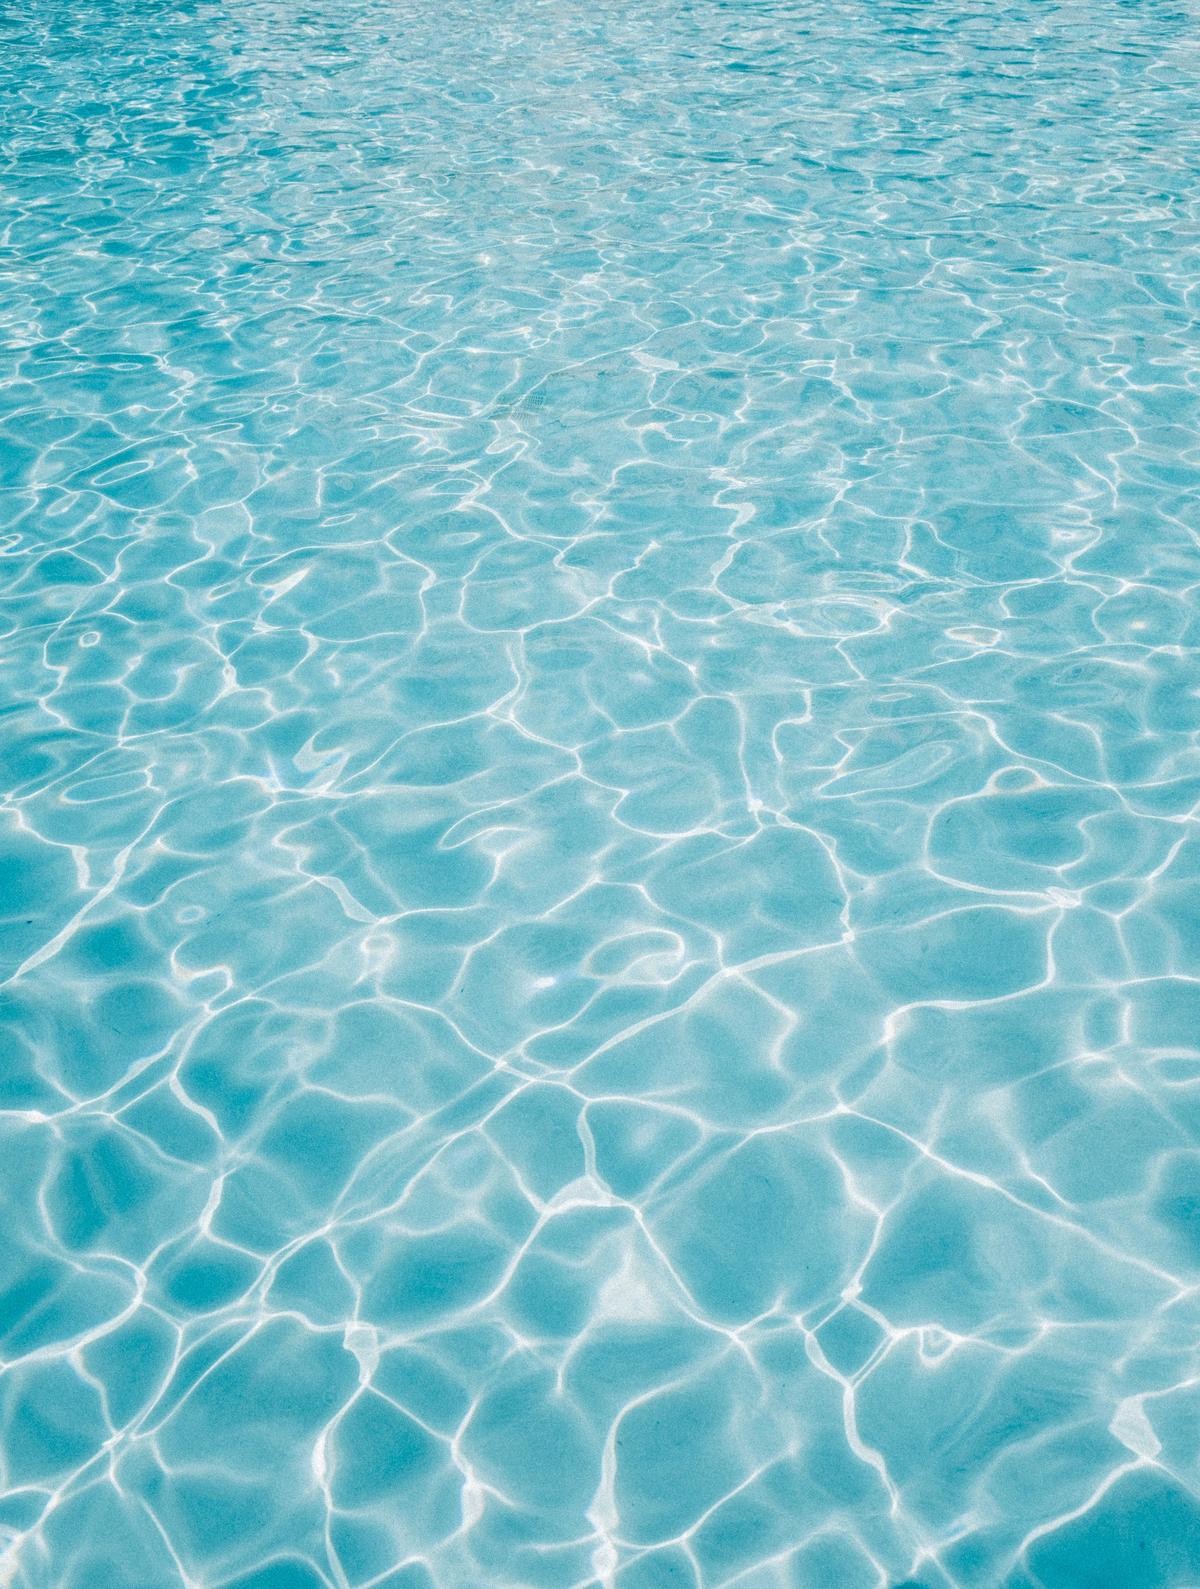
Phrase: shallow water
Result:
[599,720]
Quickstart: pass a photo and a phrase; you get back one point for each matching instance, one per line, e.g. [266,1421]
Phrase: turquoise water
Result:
[599,721]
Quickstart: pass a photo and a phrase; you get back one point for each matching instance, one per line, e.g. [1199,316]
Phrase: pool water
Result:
[600,706]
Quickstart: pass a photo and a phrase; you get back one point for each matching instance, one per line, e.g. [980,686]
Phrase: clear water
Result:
[599,720]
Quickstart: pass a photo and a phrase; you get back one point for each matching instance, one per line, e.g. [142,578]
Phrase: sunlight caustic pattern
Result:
[597,863]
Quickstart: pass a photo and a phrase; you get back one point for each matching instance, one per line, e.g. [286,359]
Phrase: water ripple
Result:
[598,876]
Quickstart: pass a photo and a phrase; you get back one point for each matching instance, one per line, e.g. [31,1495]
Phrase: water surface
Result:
[598,884]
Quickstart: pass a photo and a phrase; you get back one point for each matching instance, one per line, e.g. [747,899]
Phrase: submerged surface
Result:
[599,730]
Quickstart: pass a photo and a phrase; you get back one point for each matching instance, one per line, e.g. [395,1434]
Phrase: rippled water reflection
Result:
[599,727]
